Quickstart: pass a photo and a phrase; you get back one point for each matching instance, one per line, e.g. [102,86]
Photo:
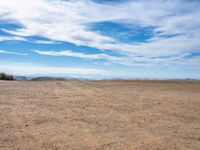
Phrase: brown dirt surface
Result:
[99,115]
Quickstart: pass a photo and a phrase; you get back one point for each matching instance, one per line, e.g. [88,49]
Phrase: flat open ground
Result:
[87,115]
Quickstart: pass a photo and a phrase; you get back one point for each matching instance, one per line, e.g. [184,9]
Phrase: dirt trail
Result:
[99,115]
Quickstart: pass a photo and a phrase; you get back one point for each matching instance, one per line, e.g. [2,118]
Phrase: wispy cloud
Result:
[175,34]
[68,21]
[144,61]
[23,39]
[13,53]
[12,38]
[78,55]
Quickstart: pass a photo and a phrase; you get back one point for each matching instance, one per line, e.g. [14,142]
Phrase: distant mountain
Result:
[46,78]
[186,80]
[50,78]
[21,78]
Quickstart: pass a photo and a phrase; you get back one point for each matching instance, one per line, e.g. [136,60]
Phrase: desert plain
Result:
[99,115]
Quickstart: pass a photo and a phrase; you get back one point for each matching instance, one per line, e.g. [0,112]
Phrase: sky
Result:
[143,39]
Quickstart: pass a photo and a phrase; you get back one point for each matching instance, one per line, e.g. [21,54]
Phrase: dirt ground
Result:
[99,115]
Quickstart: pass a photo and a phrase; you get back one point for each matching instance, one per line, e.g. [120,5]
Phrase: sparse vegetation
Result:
[4,76]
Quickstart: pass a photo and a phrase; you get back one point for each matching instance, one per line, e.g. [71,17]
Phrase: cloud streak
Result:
[173,60]
[12,38]
[13,53]
[78,55]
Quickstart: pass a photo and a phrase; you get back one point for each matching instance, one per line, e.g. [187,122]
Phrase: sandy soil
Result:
[86,115]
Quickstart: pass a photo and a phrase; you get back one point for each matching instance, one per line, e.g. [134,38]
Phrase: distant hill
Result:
[185,80]
[4,76]
[21,78]
[45,78]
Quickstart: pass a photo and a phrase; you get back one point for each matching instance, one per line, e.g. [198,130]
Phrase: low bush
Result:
[4,76]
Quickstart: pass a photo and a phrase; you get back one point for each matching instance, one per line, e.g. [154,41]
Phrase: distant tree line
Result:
[4,76]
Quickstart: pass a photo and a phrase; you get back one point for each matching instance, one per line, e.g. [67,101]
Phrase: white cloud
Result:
[13,53]
[68,21]
[144,61]
[17,38]
[100,56]
[12,38]
[78,55]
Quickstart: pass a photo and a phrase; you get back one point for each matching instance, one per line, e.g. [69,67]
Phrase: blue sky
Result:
[155,39]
